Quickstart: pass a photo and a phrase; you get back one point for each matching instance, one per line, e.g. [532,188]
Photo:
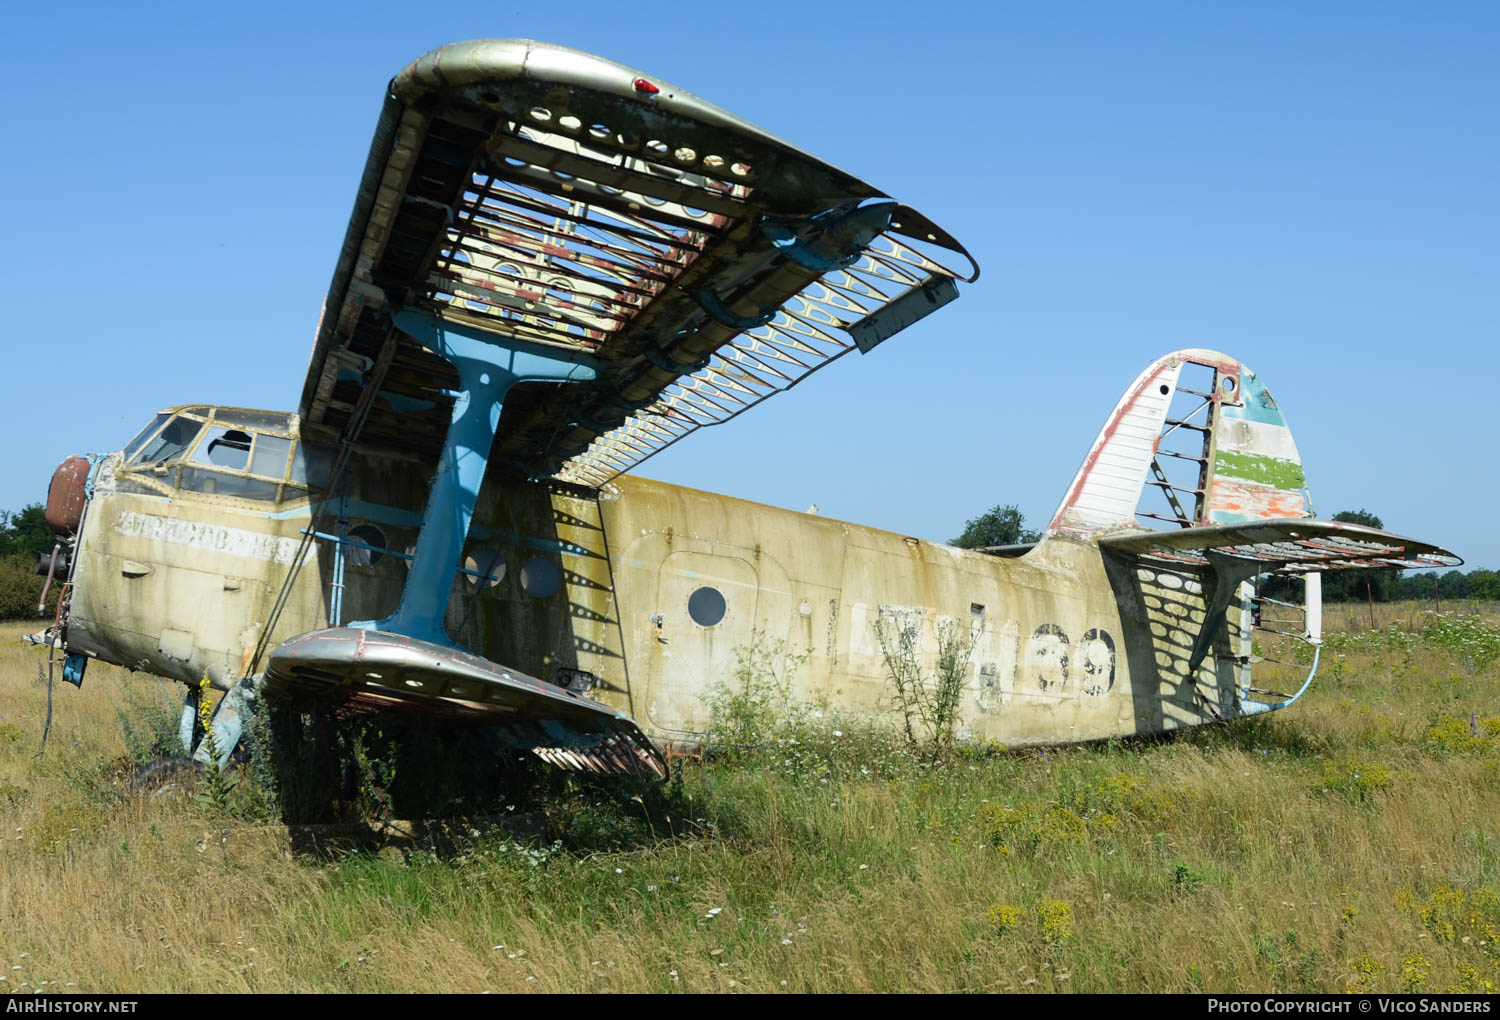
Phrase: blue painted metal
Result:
[73,667]
[1257,402]
[336,586]
[187,723]
[839,238]
[94,460]
[405,405]
[231,719]
[1249,707]
[488,366]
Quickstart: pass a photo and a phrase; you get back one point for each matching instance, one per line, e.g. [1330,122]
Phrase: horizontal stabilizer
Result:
[376,669]
[1289,546]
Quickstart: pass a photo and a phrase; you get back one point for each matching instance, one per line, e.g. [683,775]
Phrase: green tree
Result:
[1360,585]
[1484,584]
[1001,525]
[25,533]
[23,537]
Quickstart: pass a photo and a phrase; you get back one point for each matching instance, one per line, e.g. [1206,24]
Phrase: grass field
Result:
[1351,842]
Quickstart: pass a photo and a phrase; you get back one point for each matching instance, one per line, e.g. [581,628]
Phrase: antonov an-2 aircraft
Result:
[556,266]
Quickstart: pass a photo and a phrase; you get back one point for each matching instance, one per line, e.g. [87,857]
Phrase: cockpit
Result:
[224,452]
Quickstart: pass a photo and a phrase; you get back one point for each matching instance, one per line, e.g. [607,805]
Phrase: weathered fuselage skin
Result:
[1068,644]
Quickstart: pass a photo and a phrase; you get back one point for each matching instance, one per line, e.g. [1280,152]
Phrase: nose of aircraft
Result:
[67,495]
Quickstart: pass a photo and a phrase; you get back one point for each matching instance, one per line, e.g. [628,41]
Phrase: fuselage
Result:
[650,595]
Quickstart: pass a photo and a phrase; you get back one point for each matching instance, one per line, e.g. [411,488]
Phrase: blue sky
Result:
[1311,188]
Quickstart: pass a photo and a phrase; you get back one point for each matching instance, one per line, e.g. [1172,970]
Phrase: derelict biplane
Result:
[556,266]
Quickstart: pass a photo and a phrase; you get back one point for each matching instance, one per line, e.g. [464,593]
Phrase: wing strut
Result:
[488,366]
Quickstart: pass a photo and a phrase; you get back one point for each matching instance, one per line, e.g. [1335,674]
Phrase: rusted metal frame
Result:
[808,328]
[501,217]
[805,314]
[564,267]
[607,449]
[525,288]
[694,390]
[497,295]
[625,272]
[770,348]
[553,138]
[493,292]
[637,267]
[525,324]
[810,311]
[1392,553]
[917,259]
[694,402]
[596,172]
[629,443]
[545,258]
[779,338]
[711,179]
[1168,490]
[833,298]
[622,443]
[856,288]
[607,147]
[737,374]
[1169,520]
[731,417]
[592,194]
[627,436]
[525,205]
[646,254]
[724,383]
[1183,423]
[899,271]
[450,311]
[1181,456]
[701,387]
[742,354]
[743,382]
[489,321]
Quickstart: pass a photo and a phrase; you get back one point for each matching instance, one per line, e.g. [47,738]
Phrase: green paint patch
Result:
[1255,467]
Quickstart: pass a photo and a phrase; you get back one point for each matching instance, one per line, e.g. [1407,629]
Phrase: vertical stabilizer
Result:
[1197,439]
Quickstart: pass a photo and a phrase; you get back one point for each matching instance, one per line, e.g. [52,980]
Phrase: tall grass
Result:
[1351,842]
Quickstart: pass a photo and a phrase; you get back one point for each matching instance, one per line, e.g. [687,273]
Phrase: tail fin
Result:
[1196,440]
[1198,444]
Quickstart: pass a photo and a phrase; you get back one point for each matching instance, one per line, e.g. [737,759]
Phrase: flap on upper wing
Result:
[1290,546]
[532,191]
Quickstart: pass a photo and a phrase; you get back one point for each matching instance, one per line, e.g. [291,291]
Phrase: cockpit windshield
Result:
[170,442]
[222,452]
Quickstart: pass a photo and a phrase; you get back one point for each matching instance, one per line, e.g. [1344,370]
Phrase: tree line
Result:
[24,536]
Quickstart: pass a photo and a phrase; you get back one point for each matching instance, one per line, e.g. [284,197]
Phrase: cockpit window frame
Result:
[171,473]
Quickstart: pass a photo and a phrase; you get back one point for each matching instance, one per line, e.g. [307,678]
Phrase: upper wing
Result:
[1289,546]
[534,191]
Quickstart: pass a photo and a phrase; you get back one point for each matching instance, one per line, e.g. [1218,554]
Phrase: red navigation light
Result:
[642,85]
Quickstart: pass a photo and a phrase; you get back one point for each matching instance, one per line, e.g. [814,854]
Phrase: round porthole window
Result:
[540,577]
[365,535]
[487,568]
[706,606]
